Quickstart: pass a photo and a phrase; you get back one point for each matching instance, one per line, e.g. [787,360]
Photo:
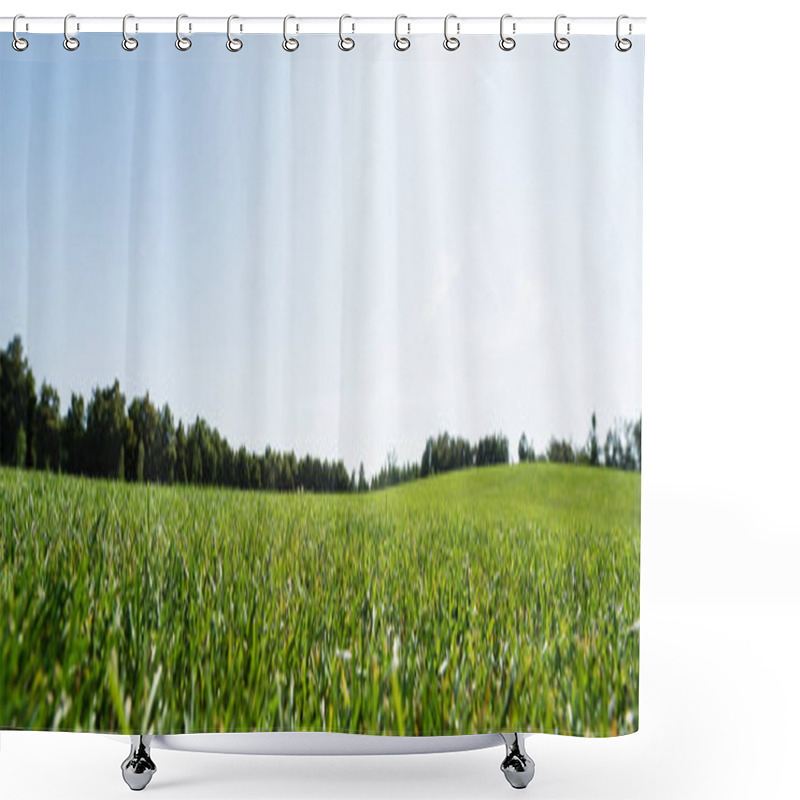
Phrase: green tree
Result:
[106,428]
[196,474]
[143,416]
[363,486]
[17,403]
[74,431]
[47,429]
[561,451]
[165,452]
[241,472]
[491,450]
[180,454]
[622,449]
[637,442]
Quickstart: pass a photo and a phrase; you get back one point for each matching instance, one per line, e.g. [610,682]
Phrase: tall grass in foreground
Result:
[505,598]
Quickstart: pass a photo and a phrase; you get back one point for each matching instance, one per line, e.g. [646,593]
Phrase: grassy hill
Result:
[504,598]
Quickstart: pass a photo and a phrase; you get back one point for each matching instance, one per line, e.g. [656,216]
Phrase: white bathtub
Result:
[139,767]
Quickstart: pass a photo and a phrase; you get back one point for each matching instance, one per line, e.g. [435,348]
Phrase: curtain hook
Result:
[345,42]
[181,42]
[128,42]
[506,42]
[18,43]
[289,45]
[623,45]
[561,43]
[401,42]
[450,42]
[70,42]
[234,45]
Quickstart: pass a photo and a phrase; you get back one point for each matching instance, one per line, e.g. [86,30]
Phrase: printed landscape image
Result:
[155,579]
[320,391]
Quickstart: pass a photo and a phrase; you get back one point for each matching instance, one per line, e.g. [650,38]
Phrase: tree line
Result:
[138,442]
[621,449]
[443,453]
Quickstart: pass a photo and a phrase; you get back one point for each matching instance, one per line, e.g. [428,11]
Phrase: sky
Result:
[336,253]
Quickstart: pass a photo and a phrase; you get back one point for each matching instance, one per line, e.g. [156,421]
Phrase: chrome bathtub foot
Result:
[517,766]
[138,768]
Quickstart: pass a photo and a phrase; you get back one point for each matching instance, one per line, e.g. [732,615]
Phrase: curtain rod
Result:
[190,24]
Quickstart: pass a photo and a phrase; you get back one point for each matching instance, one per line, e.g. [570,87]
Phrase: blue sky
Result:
[339,253]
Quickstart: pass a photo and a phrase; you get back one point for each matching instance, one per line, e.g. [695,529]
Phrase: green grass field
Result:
[497,599]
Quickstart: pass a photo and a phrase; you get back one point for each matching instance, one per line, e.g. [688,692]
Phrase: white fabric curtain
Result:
[312,276]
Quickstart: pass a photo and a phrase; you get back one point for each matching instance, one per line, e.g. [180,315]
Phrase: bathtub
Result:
[139,767]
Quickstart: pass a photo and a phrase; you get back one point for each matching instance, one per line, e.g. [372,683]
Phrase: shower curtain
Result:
[320,389]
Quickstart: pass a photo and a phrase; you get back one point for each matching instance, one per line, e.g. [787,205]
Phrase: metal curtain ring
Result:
[70,42]
[623,45]
[181,42]
[561,43]
[506,42]
[451,42]
[401,42]
[128,42]
[18,43]
[234,45]
[345,42]
[289,45]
